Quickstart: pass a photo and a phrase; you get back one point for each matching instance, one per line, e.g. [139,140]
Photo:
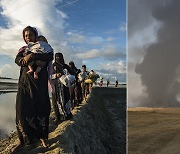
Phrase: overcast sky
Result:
[91,32]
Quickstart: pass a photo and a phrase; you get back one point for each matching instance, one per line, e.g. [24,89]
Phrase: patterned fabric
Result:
[39,47]
[22,48]
[32,102]
[61,98]
[42,47]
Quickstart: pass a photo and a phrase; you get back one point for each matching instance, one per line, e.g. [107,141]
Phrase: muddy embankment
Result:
[153,130]
[98,126]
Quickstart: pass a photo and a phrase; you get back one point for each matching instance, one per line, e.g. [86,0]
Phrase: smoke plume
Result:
[158,68]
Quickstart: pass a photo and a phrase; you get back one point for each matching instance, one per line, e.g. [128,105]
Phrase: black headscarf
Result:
[33,29]
[71,63]
[60,64]
[59,58]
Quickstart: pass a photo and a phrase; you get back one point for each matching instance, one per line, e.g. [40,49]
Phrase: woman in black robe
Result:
[32,101]
[77,95]
[61,101]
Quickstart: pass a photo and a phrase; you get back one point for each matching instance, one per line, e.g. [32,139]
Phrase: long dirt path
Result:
[98,126]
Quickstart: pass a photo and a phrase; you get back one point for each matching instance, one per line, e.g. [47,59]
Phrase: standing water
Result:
[7,113]
[8,88]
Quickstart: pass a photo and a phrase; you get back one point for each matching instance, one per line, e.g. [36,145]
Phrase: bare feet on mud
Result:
[85,99]
[69,116]
[18,146]
[43,143]
[35,75]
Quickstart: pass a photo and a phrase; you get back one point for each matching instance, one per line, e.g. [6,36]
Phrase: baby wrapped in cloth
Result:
[40,47]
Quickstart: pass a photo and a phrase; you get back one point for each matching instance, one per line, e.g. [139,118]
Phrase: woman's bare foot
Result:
[85,99]
[35,75]
[17,147]
[43,143]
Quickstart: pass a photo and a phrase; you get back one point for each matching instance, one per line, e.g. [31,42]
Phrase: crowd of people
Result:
[39,75]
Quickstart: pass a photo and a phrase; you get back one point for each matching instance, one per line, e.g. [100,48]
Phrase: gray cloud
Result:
[112,70]
[75,37]
[122,27]
[110,52]
[112,75]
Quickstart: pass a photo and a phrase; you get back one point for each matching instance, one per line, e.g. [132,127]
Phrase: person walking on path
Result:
[77,94]
[108,82]
[82,76]
[61,102]
[116,84]
[32,100]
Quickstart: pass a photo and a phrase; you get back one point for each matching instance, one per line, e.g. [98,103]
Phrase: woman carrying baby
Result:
[32,101]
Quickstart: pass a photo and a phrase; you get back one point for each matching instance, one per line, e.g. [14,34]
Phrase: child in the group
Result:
[101,82]
[82,76]
[41,46]
[116,84]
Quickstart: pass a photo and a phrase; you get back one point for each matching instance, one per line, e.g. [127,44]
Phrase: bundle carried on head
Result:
[91,78]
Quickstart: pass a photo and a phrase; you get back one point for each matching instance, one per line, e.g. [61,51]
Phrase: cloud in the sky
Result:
[89,54]
[50,22]
[112,70]
[110,39]
[75,37]
[112,52]
[122,27]
[82,39]
[118,66]
[109,52]
[95,40]
[43,15]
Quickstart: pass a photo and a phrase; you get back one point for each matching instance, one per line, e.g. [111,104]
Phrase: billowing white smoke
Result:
[159,65]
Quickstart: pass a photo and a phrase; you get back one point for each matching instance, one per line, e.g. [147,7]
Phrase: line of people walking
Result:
[39,76]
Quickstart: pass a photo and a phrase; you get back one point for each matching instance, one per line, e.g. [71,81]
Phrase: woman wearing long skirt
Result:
[77,90]
[32,101]
[61,101]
